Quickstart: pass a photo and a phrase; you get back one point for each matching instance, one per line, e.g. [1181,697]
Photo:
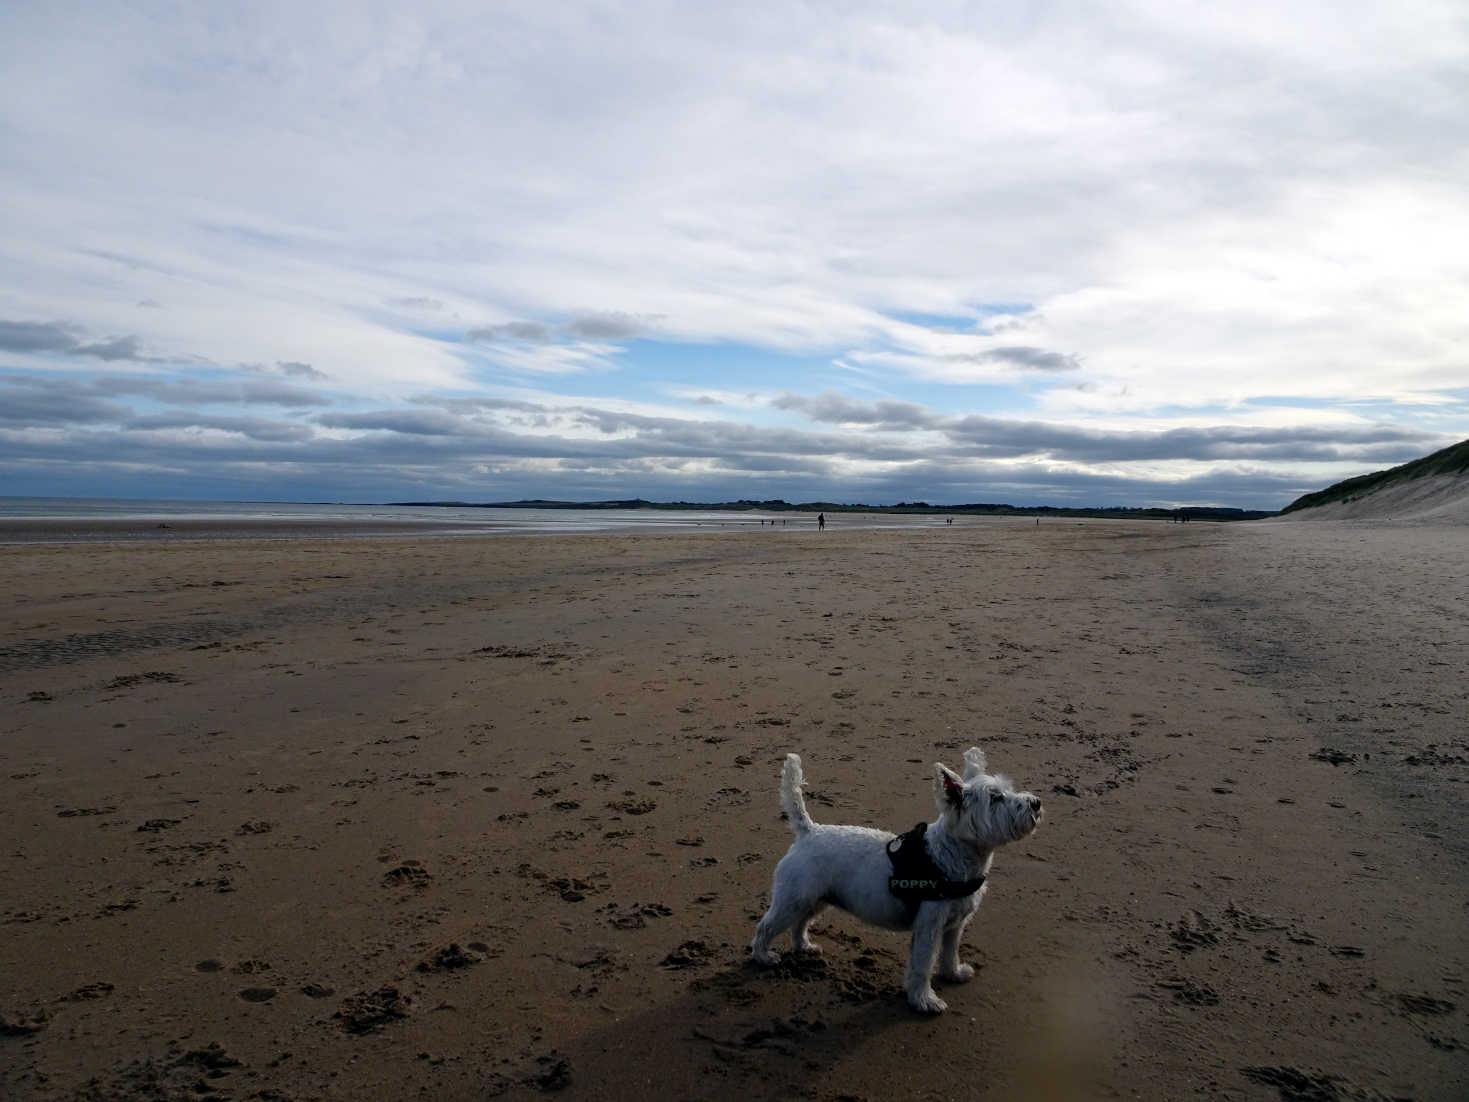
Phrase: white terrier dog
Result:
[930,881]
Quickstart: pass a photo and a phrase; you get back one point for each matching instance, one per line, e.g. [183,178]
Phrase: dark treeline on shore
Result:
[776,505]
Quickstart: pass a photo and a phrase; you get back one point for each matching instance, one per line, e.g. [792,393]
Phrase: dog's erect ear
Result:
[948,789]
[974,763]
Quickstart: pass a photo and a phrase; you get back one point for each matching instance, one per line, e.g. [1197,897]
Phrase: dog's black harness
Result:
[916,879]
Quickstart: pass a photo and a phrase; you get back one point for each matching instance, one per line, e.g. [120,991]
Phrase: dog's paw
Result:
[768,958]
[809,946]
[961,974]
[926,1002]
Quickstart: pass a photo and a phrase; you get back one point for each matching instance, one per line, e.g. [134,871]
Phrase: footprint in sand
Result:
[450,958]
[632,806]
[1425,1005]
[635,916]
[88,991]
[22,1024]
[409,874]
[129,680]
[367,1012]
[1190,993]
[691,954]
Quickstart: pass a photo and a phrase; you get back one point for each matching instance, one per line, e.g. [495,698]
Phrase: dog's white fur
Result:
[848,867]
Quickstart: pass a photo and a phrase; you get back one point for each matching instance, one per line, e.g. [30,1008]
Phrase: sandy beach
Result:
[453,818]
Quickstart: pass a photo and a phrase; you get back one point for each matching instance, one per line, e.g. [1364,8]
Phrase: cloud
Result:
[872,449]
[301,370]
[593,329]
[834,408]
[120,348]
[406,421]
[27,401]
[256,428]
[532,331]
[36,336]
[469,405]
[484,448]
[553,357]
[1215,208]
[1031,359]
[205,392]
[608,327]
[58,337]
[58,390]
[997,437]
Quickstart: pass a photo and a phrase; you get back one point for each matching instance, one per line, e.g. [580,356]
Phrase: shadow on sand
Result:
[796,1030]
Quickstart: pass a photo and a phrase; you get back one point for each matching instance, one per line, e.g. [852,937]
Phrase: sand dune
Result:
[1430,490]
[1436,499]
[459,819]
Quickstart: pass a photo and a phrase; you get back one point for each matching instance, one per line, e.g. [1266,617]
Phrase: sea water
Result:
[447,519]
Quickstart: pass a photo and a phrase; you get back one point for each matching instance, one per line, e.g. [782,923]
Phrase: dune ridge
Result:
[1431,490]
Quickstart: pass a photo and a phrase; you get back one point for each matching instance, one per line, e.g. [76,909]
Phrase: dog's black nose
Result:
[1035,803]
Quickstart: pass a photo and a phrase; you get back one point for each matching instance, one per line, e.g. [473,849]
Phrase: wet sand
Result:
[54,530]
[467,818]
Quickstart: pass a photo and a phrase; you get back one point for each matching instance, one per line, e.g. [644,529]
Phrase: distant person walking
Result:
[821,522]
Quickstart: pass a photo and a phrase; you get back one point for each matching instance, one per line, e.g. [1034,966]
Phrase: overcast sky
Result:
[1137,253]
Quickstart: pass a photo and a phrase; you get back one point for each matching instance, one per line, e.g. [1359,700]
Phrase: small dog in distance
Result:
[930,881]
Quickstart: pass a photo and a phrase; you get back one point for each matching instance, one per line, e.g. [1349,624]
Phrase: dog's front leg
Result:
[950,966]
[927,929]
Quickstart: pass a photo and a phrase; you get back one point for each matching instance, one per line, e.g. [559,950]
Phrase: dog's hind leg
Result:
[803,940]
[786,910]
[783,913]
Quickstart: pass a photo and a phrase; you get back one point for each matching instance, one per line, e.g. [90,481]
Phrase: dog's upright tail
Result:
[791,802]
